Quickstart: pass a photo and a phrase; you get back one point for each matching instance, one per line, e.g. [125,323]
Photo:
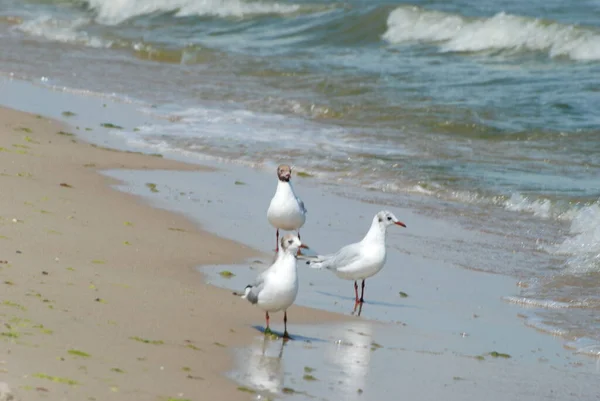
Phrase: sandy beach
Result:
[100,296]
[450,335]
[108,285]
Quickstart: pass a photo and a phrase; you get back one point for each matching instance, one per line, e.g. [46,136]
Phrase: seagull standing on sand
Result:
[286,211]
[360,260]
[276,288]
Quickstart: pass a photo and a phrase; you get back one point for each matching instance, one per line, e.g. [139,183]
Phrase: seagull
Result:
[286,211]
[360,260]
[275,289]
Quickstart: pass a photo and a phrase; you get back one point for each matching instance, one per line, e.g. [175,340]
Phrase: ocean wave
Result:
[114,12]
[542,208]
[547,304]
[540,325]
[583,243]
[456,33]
[62,30]
[585,346]
[74,32]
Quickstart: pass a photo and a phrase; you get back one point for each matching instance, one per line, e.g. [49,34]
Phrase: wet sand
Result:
[436,343]
[100,296]
[451,336]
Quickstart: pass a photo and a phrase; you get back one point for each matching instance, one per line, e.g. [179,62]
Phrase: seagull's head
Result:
[284,173]
[291,243]
[386,218]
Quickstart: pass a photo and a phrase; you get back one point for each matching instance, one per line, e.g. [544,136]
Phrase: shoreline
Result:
[101,296]
[427,314]
[452,318]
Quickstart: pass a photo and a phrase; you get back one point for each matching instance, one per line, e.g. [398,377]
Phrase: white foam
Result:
[585,346]
[539,207]
[500,32]
[583,243]
[539,325]
[66,31]
[546,304]
[116,11]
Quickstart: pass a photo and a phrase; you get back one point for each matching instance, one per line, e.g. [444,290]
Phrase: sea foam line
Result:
[546,304]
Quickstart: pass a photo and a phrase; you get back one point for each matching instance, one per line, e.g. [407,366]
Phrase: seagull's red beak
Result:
[302,246]
[399,223]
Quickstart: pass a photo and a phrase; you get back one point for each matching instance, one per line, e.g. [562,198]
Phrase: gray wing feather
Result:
[345,256]
[252,295]
[302,207]
[252,290]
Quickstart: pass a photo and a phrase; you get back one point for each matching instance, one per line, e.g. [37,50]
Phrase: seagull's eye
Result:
[389,218]
[290,241]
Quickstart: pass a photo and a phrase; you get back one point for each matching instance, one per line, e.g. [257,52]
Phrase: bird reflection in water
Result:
[351,356]
[263,365]
[357,308]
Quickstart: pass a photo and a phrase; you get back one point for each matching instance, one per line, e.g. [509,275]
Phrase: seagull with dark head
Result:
[275,289]
[286,211]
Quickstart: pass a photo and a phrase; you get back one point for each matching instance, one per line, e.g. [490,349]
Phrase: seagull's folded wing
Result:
[344,257]
[302,207]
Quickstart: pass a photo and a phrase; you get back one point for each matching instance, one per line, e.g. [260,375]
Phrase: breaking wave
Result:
[62,30]
[456,33]
[583,243]
[114,12]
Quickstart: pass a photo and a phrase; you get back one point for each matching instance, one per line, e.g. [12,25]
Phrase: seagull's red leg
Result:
[362,293]
[277,241]
[267,329]
[285,333]
[355,292]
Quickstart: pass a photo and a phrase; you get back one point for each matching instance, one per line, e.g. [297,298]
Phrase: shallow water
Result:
[480,114]
[449,318]
[445,288]
[359,360]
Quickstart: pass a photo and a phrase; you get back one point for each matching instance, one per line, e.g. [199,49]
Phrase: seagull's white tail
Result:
[247,291]
[314,262]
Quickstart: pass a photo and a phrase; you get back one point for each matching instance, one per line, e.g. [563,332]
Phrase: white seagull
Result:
[286,211]
[275,289]
[360,260]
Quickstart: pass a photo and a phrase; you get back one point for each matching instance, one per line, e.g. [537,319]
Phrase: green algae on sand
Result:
[111,126]
[151,186]
[56,379]
[78,353]
[146,341]
[496,354]
[245,389]
[304,174]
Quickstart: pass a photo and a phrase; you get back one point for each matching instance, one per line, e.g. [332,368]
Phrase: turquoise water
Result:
[483,113]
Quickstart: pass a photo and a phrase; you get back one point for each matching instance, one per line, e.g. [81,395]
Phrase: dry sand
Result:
[100,299]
